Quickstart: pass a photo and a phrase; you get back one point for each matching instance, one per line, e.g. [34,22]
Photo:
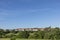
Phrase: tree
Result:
[9,35]
[37,35]
[13,38]
[33,36]
[1,33]
[23,34]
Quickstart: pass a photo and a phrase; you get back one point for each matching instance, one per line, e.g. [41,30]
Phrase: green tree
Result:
[23,34]
[1,33]
[33,36]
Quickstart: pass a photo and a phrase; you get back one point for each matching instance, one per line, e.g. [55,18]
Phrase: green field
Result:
[21,39]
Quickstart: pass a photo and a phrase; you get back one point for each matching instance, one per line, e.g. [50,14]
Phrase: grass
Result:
[30,39]
[21,39]
[4,39]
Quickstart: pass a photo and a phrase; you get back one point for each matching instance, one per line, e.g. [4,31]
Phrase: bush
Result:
[13,38]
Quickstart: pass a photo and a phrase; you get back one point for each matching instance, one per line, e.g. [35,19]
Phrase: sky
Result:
[29,13]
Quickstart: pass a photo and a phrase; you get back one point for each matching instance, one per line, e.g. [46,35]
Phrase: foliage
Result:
[13,38]
[23,34]
[47,33]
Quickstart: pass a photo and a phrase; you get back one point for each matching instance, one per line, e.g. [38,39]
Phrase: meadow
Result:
[22,39]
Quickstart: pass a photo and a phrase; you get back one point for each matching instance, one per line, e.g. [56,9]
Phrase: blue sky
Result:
[29,13]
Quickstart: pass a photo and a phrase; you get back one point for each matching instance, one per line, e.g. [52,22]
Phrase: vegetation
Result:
[24,39]
[48,33]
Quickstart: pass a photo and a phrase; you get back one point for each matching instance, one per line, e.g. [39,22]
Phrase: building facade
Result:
[29,29]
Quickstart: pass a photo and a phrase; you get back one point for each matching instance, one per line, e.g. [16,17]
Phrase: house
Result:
[29,29]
